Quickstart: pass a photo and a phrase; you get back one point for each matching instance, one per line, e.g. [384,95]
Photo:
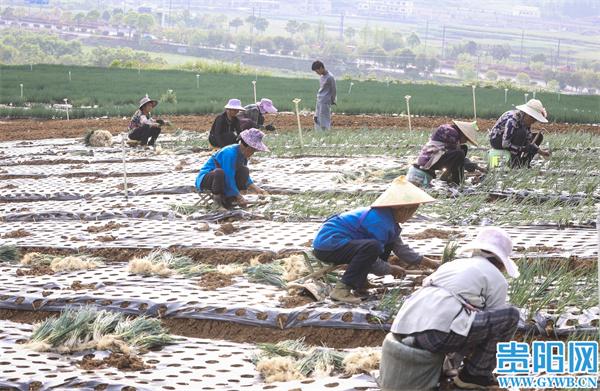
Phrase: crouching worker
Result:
[226,172]
[226,129]
[142,127]
[446,150]
[363,238]
[253,115]
[512,132]
[460,308]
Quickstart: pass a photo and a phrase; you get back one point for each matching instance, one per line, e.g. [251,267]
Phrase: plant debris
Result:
[110,226]
[430,233]
[214,280]
[19,233]
[123,362]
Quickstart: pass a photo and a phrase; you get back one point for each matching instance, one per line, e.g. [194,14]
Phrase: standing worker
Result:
[226,172]
[446,150]
[253,115]
[325,96]
[462,307]
[364,238]
[142,127]
[512,132]
[226,127]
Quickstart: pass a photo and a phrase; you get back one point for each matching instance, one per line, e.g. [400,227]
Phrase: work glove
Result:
[270,128]
[316,120]
[160,122]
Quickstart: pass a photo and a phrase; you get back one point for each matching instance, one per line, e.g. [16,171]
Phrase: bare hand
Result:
[430,263]
[241,201]
[397,271]
[543,152]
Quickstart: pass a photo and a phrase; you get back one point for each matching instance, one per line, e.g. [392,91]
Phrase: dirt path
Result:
[31,129]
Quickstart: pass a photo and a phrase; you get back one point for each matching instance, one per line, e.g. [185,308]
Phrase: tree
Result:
[236,24]
[465,67]
[413,40]
[553,86]
[145,22]
[540,57]
[403,57]
[522,78]
[350,33]
[106,16]
[292,27]
[500,52]
[116,20]
[130,21]
[93,16]
[392,42]
[491,75]
[78,18]
[261,24]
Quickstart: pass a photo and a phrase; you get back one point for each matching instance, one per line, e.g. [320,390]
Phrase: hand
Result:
[430,263]
[241,201]
[543,152]
[397,271]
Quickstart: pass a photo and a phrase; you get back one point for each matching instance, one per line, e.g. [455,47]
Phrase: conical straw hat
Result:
[469,129]
[401,193]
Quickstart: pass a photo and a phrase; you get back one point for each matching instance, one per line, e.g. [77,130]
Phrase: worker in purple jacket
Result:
[446,150]
[364,238]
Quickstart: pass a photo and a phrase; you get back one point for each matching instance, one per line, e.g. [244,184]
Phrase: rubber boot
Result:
[342,292]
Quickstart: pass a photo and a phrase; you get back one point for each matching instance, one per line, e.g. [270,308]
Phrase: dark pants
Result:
[454,164]
[479,346]
[214,182]
[145,132]
[523,159]
[360,255]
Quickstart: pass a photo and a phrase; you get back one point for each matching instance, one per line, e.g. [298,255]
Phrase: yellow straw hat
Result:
[469,129]
[401,193]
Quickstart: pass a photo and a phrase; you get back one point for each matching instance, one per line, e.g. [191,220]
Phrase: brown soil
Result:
[77,286]
[235,332]
[121,186]
[227,229]
[35,386]
[106,238]
[200,255]
[436,233]
[213,280]
[91,180]
[120,361]
[19,233]
[294,301]
[32,129]
[36,270]
[111,225]
[536,249]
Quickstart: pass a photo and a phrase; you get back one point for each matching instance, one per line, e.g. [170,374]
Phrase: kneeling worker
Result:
[253,115]
[226,128]
[462,307]
[226,172]
[363,238]
[142,127]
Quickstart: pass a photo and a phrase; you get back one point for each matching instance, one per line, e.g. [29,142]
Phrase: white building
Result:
[387,7]
[525,11]
[320,7]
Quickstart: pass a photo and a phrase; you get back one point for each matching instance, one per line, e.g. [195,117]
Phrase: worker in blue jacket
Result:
[364,238]
[226,172]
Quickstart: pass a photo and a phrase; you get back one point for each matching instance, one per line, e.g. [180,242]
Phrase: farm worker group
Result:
[364,238]
[446,149]
[461,308]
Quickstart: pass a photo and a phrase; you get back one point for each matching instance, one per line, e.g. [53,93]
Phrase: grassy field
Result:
[117,91]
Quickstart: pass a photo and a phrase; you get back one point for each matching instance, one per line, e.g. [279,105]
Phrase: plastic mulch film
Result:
[277,236]
[188,364]
[243,302]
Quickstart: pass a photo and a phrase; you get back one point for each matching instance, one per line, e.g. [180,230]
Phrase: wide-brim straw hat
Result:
[496,241]
[469,129]
[401,193]
[234,104]
[253,137]
[145,100]
[266,106]
[535,109]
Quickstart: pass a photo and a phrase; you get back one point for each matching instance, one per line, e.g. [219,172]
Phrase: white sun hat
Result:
[496,241]
[535,109]
[234,104]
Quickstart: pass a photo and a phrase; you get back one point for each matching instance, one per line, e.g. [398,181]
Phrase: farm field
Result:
[49,84]
[212,291]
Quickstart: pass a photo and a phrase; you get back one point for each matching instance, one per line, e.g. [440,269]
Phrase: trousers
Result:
[145,132]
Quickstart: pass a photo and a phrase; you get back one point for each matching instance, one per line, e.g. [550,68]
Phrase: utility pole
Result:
[342,26]
[426,34]
[444,42]
[558,54]
[170,4]
[522,38]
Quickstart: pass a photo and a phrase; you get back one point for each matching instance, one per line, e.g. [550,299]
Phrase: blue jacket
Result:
[361,223]
[228,159]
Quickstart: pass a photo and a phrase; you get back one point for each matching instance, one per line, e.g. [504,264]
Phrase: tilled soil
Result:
[36,270]
[32,129]
[235,332]
[123,362]
[19,233]
[436,233]
[111,225]
[294,301]
[213,280]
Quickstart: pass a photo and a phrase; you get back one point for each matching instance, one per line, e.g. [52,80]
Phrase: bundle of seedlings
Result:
[450,251]
[97,138]
[86,328]
[267,273]
[164,264]
[390,304]
[9,253]
[61,263]
[294,360]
